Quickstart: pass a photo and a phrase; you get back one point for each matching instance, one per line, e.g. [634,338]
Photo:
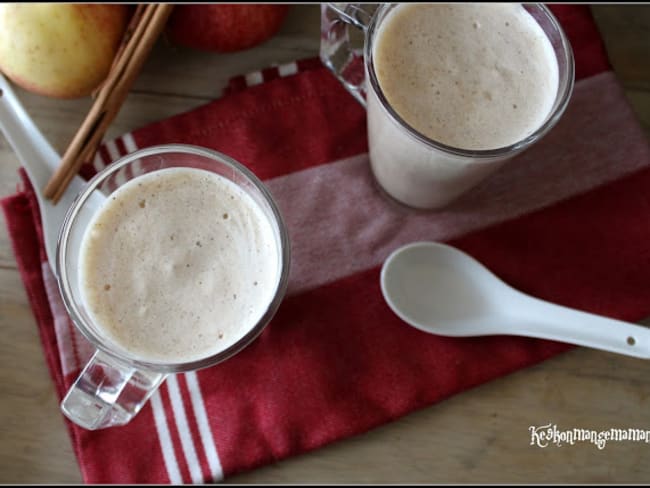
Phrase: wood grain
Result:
[479,436]
[626,32]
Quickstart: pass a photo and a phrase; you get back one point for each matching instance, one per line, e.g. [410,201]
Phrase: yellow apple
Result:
[59,50]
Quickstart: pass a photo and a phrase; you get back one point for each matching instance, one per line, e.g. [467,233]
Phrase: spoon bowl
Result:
[441,290]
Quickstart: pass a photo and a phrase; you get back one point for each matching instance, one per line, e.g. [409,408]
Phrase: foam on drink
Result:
[471,76]
[178,265]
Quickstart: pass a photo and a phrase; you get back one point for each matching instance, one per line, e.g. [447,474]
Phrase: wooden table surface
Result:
[478,436]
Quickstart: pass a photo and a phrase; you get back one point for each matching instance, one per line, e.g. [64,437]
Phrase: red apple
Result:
[59,50]
[224,27]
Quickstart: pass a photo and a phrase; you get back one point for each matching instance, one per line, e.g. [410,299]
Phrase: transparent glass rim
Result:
[562,100]
[70,219]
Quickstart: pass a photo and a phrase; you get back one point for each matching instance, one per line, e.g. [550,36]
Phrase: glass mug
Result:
[115,385]
[410,167]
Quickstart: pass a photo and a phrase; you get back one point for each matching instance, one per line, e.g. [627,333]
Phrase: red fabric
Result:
[234,125]
[588,47]
[24,227]
[335,361]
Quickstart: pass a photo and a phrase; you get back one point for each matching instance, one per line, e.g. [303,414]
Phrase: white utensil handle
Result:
[34,151]
[546,320]
[40,160]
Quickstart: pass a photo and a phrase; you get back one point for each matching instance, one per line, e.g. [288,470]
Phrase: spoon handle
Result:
[39,159]
[537,318]
[34,151]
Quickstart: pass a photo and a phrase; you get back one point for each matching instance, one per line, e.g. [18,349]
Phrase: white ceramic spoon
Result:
[439,289]
[40,160]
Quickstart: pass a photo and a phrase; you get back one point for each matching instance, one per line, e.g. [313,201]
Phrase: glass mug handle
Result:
[336,51]
[109,392]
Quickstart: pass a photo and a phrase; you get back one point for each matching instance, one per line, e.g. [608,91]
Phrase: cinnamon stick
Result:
[112,94]
[136,19]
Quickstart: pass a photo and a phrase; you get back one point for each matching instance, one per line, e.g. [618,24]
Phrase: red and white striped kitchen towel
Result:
[567,221]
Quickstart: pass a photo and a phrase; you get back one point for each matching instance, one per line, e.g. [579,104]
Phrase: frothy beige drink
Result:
[178,265]
[469,76]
